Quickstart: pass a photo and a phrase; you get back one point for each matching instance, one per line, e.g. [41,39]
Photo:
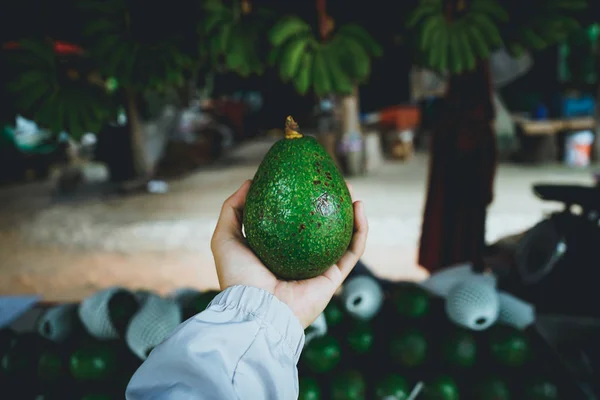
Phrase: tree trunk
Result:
[461,174]
[353,154]
[141,164]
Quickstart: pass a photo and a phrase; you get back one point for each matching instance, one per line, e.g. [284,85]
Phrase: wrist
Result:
[268,310]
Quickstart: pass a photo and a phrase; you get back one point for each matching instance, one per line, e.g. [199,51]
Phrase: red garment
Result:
[461,174]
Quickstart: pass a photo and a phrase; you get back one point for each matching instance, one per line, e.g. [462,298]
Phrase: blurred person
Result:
[247,343]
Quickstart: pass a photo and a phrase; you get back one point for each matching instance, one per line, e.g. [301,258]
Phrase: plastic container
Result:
[578,148]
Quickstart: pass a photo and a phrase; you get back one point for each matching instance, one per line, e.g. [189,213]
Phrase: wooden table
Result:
[539,139]
[531,127]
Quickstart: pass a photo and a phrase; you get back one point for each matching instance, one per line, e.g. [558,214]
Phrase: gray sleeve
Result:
[245,345]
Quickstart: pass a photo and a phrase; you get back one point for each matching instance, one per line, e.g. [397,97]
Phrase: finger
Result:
[229,224]
[351,190]
[358,243]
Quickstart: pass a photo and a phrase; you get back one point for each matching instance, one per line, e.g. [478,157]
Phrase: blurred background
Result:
[467,127]
[125,126]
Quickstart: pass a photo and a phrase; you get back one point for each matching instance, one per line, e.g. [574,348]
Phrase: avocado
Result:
[309,388]
[509,346]
[442,387]
[541,389]
[361,337]
[348,385]
[392,387]
[298,217]
[491,388]
[322,354]
[459,348]
[409,348]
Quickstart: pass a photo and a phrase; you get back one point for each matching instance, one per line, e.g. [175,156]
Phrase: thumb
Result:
[229,225]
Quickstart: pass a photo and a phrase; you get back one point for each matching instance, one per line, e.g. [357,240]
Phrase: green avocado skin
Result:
[298,217]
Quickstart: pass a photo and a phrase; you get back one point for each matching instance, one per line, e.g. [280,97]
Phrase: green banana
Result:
[360,35]
[424,9]
[572,5]
[531,38]
[100,27]
[26,100]
[341,83]
[444,49]
[479,45]
[286,28]
[106,47]
[456,60]
[57,118]
[291,57]
[465,47]
[491,8]
[430,27]
[487,27]
[550,30]
[43,51]
[29,78]
[215,20]
[114,64]
[302,79]
[353,57]
[225,36]
[320,74]
[434,51]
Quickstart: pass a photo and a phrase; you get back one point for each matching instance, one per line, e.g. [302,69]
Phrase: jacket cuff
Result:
[266,308]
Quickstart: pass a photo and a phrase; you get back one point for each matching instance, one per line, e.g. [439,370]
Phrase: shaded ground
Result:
[66,250]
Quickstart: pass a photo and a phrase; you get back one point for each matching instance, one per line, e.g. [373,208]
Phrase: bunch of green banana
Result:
[552,23]
[335,66]
[456,46]
[232,38]
[131,57]
[73,105]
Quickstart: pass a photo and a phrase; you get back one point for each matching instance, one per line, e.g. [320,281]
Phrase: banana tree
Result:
[334,62]
[142,46]
[456,38]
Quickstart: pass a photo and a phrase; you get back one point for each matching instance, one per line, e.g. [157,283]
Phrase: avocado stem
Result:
[291,129]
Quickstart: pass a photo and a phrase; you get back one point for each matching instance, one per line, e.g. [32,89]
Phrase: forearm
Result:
[244,346]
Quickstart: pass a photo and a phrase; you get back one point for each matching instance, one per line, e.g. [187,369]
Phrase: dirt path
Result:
[67,250]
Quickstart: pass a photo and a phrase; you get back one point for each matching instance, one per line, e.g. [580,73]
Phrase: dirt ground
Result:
[67,249]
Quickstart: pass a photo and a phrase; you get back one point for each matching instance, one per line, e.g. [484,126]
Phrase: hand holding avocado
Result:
[238,265]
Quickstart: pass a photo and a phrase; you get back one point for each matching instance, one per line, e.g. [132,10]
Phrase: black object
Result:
[574,341]
[556,270]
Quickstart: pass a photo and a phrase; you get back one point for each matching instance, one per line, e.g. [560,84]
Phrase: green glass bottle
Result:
[348,385]
[459,348]
[441,387]
[392,387]
[409,348]
[95,361]
[411,301]
[491,388]
[309,388]
[361,337]
[322,354]
[509,346]
[334,313]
